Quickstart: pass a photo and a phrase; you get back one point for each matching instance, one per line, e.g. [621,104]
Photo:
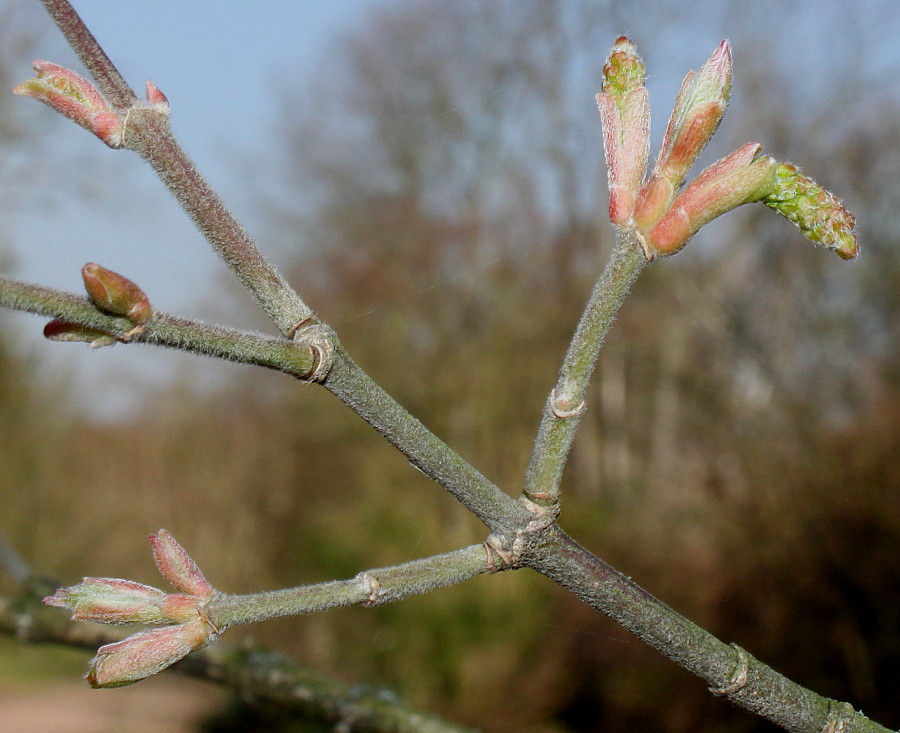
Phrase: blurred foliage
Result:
[31,666]
[739,457]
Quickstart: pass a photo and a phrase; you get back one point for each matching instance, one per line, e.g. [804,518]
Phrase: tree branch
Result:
[147,132]
[521,537]
[256,674]
[293,358]
[730,671]
[370,588]
[566,402]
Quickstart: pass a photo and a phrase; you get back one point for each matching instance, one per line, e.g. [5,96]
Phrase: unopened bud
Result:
[59,330]
[146,653]
[115,294]
[699,109]
[177,567]
[157,98]
[817,212]
[74,97]
[116,601]
[737,179]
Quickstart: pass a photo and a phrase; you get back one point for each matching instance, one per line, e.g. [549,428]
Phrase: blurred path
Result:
[171,704]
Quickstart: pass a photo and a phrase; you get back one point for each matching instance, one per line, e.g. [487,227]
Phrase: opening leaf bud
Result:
[74,97]
[625,116]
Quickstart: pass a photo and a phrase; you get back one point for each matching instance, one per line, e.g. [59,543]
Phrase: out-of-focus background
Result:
[429,175]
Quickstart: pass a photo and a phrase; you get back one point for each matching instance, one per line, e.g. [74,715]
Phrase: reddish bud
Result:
[112,293]
[157,98]
[116,601]
[74,97]
[59,330]
[625,116]
[736,179]
[699,109]
[147,653]
[177,567]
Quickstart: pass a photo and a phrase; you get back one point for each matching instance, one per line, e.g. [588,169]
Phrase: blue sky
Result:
[218,63]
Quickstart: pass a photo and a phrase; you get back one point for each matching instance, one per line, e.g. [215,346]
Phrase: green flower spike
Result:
[815,211]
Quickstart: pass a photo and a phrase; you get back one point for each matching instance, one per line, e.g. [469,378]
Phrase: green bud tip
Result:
[624,69]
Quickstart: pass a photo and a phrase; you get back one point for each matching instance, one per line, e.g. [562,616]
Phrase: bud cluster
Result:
[664,216]
[182,618]
[111,293]
[76,98]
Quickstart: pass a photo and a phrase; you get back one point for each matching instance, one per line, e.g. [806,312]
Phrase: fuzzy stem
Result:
[370,588]
[149,134]
[730,671]
[565,405]
[94,58]
[245,347]
[424,449]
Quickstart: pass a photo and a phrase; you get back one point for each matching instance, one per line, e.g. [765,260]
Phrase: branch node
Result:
[203,612]
[511,552]
[562,406]
[292,331]
[840,715]
[648,252]
[496,548]
[544,514]
[137,330]
[318,338]
[740,679]
[373,586]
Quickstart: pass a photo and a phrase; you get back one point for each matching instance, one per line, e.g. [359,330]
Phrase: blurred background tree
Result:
[439,196]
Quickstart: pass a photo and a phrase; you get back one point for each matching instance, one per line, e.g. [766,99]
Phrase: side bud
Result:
[146,653]
[699,109]
[625,116]
[59,330]
[157,99]
[115,294]
[817,212]
[737,179]
[176,566]
[74,97]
